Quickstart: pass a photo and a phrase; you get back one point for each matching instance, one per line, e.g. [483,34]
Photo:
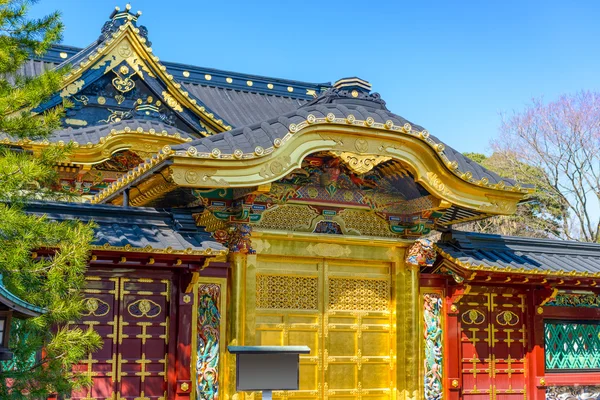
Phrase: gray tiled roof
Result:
[92,134]
[137,227]
[264,133]
[528,254]
[241,108]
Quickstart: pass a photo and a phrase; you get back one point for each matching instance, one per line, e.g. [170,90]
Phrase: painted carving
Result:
[432,319]
[421,253]
[208,339]
[239,240]
[575,300]
[572,392]
[121,161]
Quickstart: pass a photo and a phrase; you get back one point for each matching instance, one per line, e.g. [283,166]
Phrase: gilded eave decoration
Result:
[358,140]
[137,139]
[126,44]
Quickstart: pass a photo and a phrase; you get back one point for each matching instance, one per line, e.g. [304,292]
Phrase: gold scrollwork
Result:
[144,308]
[72,88]
[171,101]
[473,316]
[95,307]
[361,163]
[507,318]
[123,82]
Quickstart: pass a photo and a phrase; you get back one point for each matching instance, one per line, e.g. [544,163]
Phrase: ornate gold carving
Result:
[282,292]
[437,183]
[72,88]
[361,163]
[358,294]
[144,308]
[77,122]
[361,145]
[507,318]
[171,102]
[192,176]
[365,223]
[473,316]
[288,217]
[328,250]
[96,307]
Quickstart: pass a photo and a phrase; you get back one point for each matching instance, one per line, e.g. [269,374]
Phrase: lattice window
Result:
[572,345]
[358,294]
[287,292]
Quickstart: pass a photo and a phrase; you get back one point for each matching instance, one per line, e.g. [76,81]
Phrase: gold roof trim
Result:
[512,270]
[494,205]
[122,139]
[110,48]
[369,123]
[149,249]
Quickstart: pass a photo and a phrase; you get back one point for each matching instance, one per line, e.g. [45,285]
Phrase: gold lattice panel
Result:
[286,292]
[348,327]
[367,223]
[288,217]
[358,294]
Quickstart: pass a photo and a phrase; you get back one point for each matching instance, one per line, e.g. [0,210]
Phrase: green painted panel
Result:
[572,345]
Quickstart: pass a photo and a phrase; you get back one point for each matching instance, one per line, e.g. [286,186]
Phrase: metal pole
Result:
[267,394]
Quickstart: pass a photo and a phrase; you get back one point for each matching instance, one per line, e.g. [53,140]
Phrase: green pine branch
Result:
[54,282]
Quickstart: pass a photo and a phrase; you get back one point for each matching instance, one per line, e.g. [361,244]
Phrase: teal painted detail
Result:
[575,300]
[572,345]
[6,294]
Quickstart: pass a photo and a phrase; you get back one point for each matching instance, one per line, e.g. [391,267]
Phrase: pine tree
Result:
[45,348]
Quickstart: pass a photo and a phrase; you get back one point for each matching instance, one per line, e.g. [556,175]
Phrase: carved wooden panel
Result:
[493,345]
[132,316]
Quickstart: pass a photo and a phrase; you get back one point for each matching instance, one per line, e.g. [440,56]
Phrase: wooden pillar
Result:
[181,386]
[535,348]
[452,378]
[408,316]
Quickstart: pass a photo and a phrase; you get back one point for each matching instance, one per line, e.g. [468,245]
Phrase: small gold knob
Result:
[454,383]
[185,387]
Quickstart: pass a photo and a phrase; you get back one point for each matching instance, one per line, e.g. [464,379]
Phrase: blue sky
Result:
[451,66]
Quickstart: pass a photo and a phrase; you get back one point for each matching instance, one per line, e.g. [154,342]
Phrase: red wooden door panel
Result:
[493,345]
[132,317]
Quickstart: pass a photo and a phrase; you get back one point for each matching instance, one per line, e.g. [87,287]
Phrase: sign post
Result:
[267,368]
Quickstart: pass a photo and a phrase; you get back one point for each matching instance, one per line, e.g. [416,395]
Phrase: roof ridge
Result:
[195,74]
[489,237]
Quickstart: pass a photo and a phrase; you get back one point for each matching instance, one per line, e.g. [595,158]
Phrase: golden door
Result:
[342,311]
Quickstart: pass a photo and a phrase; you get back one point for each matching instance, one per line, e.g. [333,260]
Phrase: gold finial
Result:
[128,6]
[139,13]
[117,8]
